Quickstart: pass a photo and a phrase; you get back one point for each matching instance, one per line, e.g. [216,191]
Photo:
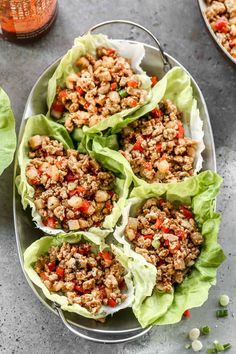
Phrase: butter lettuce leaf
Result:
[7,132]
[88,44]
[43,126]
[175,86]
[199,192]
[41,247]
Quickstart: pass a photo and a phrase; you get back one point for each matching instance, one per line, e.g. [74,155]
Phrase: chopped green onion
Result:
[123,93]
[196,345]
[156,243]
[205,330]
[224,300]
[194,334]
[222,313]
[227,346]
[219,347]
[187,346]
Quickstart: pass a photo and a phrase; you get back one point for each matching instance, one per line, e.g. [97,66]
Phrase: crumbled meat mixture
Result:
[156,147]
[222,17]
[72,191]
[166,236]
[84,277]
[103,86]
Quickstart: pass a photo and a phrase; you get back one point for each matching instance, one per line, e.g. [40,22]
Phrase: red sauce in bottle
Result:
[26,20]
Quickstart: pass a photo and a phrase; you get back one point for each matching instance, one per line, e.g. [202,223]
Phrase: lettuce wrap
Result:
[7,132]
[167,308]
[88,44]
[176,86]
[40,248]
[41,125]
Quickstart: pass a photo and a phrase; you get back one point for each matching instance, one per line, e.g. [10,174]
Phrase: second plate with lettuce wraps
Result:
[67,190]
[162,141]
[174,228]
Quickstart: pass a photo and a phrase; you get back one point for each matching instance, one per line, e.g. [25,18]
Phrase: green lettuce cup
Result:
[40,125]
[199,193]
[174,86]
[88,44]
[41,247]
[7,131]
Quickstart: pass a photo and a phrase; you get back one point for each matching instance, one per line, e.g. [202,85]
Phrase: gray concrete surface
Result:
[25,325]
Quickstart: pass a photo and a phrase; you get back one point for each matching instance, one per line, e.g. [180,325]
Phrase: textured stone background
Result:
[26,326]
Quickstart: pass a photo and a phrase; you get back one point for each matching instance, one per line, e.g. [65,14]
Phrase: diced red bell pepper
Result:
[86,106]
[187,313]
[79,289]
[58,107]
[159,147]
[164,157]
[110,52]
[162,202]
[112,302]
[62,94]
[154,80]
[106,256]
[35,181]
[70,177]
[156,113]
[113,86]
[167,242]
[148,165]
[222,25]
[60,272]
[102,292]
[181,234]
[51,266]
[134,103]
[133,83]
[108,205]
[50,222]
[84,249]
[43,275]
[173,249]
[186,212]
[150,237]
[165,229]
[232,41]
[79,190]
[181,132]
[84,207]
[80,90]
[138,145]
[158,224]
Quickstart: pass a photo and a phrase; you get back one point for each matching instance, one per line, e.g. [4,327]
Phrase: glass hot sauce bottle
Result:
[26,20]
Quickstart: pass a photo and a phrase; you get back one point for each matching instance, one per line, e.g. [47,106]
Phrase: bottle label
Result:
[23,17]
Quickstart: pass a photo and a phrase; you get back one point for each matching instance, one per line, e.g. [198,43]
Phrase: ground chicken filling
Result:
[84,277]
[72,191]
[103,86]
[222,17]
[167,237]
[156,147]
